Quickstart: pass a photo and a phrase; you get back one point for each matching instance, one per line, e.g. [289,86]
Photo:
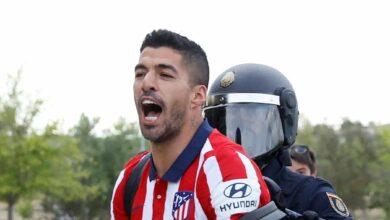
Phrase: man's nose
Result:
[149,82]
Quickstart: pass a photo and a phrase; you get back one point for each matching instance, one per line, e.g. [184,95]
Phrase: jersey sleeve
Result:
[230,185]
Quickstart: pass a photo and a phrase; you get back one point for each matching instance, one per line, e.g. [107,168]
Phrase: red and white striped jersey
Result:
[211,179]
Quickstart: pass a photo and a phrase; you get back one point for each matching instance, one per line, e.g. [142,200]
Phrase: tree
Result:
[305,133]
[106,156]
[32,162]
[79,207]
[379,189]
[357,150]
[119,145]
[350,158]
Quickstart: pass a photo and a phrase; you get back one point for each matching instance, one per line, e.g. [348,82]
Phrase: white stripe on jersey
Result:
[118,181]
[213,173]
[147,212]
[250,171]
[213,176]
[187,204]
[168,206]
[198,208]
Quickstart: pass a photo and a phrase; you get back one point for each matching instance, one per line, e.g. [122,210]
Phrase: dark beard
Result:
[171,129]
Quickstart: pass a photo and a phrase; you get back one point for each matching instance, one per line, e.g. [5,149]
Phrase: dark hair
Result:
[302,154]
[193,55]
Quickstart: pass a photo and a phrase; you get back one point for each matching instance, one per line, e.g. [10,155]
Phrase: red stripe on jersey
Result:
[203,193]
[230,163]
[159,197]
[187,183]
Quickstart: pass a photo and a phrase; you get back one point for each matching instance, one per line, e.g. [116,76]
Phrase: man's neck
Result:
[165,153]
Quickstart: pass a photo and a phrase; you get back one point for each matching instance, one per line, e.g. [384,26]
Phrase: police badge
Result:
[337,204]
[227,79]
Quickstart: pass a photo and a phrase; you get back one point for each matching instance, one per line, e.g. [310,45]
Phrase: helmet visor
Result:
[255,126]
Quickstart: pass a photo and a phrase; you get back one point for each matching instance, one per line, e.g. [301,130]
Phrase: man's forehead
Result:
[160,53]
[161,58]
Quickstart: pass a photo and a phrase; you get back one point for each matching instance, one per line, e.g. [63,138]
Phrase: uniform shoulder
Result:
[295,184]
[328,203]
[313,182]
[291,181]
[321,184]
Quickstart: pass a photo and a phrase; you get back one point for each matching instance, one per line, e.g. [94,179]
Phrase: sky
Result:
[79,56]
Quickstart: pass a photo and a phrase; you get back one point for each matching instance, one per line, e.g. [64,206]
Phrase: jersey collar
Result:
[175,172]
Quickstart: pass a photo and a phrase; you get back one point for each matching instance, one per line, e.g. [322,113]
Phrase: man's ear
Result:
[199,94]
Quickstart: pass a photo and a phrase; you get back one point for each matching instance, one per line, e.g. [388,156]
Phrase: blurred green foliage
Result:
[355,159]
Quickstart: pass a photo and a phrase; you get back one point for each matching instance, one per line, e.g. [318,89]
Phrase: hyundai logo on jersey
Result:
[183,202]
[236,196]
[237,190]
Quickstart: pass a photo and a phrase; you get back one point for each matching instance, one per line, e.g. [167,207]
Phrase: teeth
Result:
[146,102]
[151,118]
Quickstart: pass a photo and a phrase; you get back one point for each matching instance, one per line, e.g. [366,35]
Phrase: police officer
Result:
[255,105]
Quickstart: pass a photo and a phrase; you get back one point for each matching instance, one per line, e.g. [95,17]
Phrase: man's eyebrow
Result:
[167,66]
[139,66]
[162,66]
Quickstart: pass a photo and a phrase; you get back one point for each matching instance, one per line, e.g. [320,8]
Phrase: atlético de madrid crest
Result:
[183,205]
[337,204]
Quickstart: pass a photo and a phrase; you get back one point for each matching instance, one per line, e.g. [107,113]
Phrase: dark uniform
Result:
[302,193]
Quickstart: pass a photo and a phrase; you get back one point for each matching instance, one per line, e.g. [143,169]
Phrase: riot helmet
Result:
[255,106]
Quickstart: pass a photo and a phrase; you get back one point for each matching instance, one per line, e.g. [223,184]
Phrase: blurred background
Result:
[67,119]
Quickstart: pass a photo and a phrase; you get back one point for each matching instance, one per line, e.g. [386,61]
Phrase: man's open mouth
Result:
[151,110]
